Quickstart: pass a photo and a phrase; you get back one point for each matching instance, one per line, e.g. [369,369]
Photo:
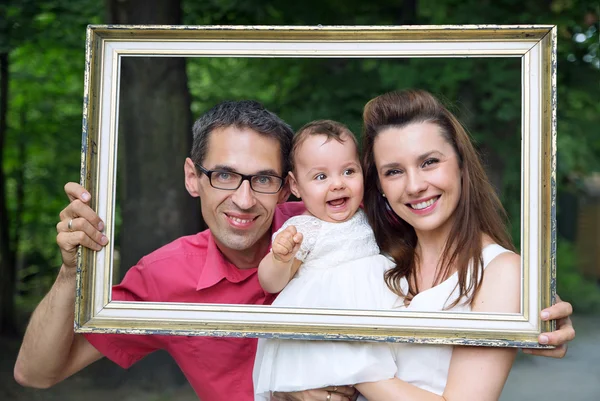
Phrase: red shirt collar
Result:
[217,268]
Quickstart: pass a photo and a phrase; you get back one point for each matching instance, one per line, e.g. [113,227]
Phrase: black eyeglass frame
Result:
[245,177]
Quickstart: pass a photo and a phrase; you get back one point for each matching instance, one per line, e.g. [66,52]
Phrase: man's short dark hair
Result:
[242,114]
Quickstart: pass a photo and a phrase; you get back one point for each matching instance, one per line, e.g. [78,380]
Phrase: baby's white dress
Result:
[426,365]
[342,269]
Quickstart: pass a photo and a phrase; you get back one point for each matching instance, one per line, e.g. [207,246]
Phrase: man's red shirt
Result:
[192,269]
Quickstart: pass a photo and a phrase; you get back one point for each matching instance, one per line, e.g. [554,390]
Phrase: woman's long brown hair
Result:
[478,212]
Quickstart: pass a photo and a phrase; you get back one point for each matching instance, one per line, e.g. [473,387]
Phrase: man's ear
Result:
[192,183]
[293,183]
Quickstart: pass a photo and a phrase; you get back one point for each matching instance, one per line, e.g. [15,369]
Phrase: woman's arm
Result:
[476,373]
[279,266]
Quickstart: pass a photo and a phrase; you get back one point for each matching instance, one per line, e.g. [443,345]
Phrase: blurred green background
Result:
[41,86]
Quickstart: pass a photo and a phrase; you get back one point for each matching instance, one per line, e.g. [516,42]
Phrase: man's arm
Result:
[51,351]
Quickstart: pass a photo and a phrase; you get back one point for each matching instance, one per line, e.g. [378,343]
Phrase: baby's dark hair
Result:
[329,128]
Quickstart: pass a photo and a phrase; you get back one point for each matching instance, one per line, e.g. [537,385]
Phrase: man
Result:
[238,161]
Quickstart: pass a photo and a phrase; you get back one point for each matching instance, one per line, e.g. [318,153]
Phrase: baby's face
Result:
[328,177]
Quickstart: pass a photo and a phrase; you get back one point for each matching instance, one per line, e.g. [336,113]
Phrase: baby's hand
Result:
[286,244]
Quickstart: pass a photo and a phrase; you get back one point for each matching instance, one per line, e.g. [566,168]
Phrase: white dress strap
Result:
[490,252]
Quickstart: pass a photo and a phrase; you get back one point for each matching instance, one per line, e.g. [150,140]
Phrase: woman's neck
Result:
[431,244]
[429,251]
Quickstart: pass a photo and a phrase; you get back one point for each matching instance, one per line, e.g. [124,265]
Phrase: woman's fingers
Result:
[561,312]
[557,352]
[563,334]
[559,338]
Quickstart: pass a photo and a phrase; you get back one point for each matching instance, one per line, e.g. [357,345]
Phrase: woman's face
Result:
[419,175]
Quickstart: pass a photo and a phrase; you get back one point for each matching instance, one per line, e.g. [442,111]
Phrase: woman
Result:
[433,210]
[435,213]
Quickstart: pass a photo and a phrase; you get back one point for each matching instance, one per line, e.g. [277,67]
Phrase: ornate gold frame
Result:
[535,45]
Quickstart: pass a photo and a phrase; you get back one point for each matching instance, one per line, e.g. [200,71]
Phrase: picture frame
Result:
[535,45]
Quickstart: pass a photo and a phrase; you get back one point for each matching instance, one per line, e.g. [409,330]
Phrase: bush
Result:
[572,286]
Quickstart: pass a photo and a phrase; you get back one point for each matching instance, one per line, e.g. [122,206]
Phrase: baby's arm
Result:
[279,266]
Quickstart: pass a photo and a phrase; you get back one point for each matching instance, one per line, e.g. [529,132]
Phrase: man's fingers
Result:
[80,225]
[79,209]
[76,191]
[69,241]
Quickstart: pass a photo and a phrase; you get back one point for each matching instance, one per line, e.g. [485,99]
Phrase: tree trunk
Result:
[154,138]
[7,251]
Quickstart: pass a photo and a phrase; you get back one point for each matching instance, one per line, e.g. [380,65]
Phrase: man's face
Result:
[238,219]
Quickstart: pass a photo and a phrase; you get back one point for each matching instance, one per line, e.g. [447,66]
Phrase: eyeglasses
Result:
[228,180]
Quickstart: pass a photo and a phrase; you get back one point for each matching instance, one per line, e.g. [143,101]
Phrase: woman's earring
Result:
[391,215]
[387,203]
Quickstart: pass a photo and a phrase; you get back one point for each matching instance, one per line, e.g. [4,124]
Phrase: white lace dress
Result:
[342,269]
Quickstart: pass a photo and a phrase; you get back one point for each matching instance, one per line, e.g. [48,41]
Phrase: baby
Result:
[325,258]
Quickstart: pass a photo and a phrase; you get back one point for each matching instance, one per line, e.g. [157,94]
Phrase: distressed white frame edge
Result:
[524,323]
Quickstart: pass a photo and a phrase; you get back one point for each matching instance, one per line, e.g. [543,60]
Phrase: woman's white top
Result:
[425,365]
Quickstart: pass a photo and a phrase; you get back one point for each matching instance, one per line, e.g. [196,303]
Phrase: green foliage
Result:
[584,294]
[45,40]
